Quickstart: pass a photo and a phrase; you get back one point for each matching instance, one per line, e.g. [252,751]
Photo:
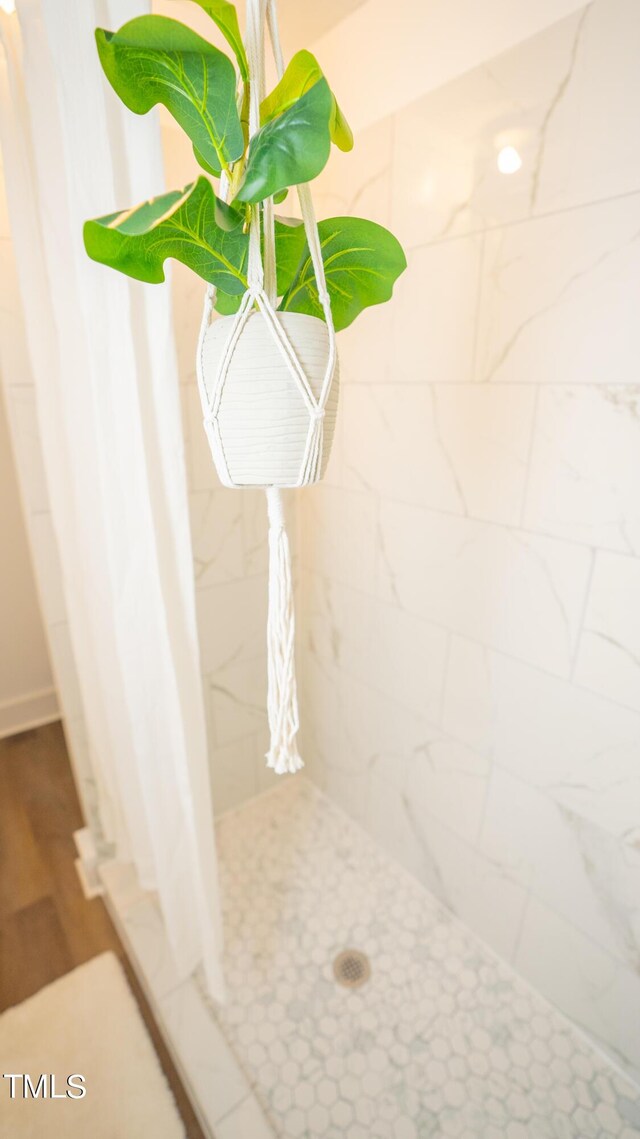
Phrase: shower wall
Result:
[471,567]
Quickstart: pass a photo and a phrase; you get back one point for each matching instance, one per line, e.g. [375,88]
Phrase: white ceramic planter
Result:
[263,421]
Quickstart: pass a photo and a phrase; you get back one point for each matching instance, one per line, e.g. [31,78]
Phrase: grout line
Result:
[445,681]
[548,535]
[478,309]
[527,477]
[563,679]
[528,220]
[580,385]
[583,613]
[521,924]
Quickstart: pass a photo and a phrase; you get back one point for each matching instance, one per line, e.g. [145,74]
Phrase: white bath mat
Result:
[86,1023]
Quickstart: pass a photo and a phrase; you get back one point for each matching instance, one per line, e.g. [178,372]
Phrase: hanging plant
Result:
[154,59]
[267,366]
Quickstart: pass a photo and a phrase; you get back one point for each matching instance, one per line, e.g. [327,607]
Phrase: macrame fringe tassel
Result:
[282,700]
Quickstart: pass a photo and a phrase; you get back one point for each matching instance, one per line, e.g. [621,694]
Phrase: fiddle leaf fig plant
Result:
[154,59]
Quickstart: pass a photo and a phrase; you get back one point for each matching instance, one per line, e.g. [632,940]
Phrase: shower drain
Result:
[351,968]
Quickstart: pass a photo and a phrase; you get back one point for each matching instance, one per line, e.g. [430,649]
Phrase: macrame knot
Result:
[282,701]
[317,413]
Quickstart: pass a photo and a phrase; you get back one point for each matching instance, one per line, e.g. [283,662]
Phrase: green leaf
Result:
[302,72]
[184,224]
[153,59]
[290,242]
[340,130]
[227,305]
[225,16]
[362,261]
[292,148]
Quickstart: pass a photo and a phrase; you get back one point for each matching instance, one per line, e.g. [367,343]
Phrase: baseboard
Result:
[30,711]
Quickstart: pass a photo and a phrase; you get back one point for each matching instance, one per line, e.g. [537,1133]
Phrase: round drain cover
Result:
[351,968]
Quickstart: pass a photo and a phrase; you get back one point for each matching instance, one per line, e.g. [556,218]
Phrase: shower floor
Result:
[442,1040]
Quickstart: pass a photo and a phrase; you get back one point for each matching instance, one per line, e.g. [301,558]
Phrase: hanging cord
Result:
[261,294]
[282,698]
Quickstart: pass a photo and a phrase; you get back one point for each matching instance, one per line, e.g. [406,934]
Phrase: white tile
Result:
[233,773]
[255,527]
[462,448]
[481,892]
[201,469]
[217,536]
[231,622]
[585,466]
[339,535]
[358,182]
[468,712]
[321,722]
[485,582]
[434,313]
[147,939]
[365,348]
[448,139]
[244,1120]
[580,748]
[408,660]
[400,656]
[449,780]
[578,870]
[349,788]
[122,884]
[609,655]
[589,149]
[564,98]
[238,698]
[557,298]
[588,984]
[339,626]
[341,721]
[214,1076]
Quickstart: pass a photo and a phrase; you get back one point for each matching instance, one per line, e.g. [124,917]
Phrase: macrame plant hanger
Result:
[214,370]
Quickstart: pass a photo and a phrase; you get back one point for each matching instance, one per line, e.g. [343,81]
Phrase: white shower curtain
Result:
[104,366]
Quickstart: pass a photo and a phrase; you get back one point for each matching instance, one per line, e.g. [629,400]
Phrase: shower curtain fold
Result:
[104,370]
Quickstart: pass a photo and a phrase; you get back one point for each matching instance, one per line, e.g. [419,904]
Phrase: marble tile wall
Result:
[471,572]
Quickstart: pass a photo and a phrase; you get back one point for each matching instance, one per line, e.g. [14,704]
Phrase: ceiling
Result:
[301,21]
[304,21]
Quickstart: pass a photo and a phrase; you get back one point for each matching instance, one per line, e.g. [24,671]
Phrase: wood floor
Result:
[47,926]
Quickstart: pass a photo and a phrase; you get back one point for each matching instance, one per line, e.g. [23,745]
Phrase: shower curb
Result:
[217,1087]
